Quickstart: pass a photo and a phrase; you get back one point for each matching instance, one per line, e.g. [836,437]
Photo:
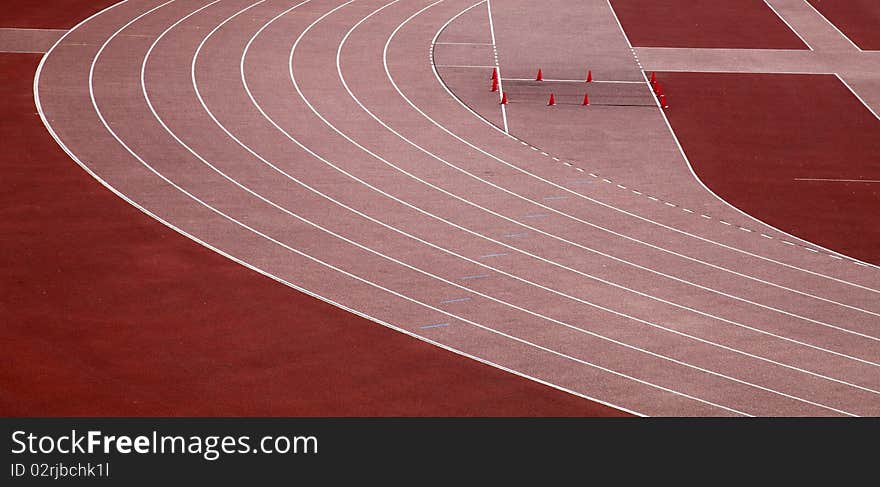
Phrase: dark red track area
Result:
[858,19]
[742,24]
[108,312]
[57,14]
[749,136]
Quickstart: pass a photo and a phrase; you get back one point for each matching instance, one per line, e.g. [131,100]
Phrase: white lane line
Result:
[124,197]
[497,64]
[550,80]
[463,43]
[839,180]
[466,65]
[789,25]
[851,90]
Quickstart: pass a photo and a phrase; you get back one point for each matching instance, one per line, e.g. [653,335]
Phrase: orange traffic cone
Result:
[586,100]
[552,101]
[540,76]
[504,98]
[589,76]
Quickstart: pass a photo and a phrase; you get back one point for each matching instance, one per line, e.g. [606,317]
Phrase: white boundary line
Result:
[497,66]
[853,44]
[789,26]
[735,71]
[857,96]
[463,44]
[839,180]
[548,80]
[467,65]
[233,258]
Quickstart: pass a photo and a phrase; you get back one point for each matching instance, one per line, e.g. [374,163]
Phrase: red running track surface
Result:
[743,24]
[57,14]
[749,136]
[858,19]
[108,312]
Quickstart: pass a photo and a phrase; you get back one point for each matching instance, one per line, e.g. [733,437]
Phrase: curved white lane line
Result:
[633,215]
[794,315]
[449,252]
[342,271]
[263,272]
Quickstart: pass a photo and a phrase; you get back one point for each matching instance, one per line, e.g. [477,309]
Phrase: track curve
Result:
[312,140]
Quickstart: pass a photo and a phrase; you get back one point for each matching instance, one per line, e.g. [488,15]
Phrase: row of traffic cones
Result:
[551,102]
[540,77]
[658,90]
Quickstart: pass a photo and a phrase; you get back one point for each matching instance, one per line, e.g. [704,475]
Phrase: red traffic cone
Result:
[503,98]
[658,89]
[589,76]
[586,100]
[495,84]
[663,101]
[539,77]
[653,77]
[552,101]
[494,74]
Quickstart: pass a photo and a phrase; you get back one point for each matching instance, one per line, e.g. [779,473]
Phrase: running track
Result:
[314,141]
